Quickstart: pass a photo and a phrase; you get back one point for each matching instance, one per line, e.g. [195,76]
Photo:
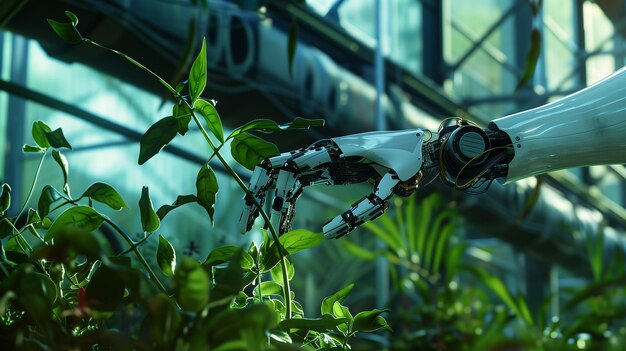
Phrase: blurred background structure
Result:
[437,59]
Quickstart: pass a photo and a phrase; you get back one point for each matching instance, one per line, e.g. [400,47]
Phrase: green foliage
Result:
[61,160]
[156,138]
[198,74]
[191,285]
[180,200]
[78,218]
[69,292]
[67,31]
[250,150]
[149,220]
[57,139]
[166,257]
[207,188]
[211,117]
[5,198]
[105,194]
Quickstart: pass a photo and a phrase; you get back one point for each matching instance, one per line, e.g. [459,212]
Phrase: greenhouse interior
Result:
[158,159]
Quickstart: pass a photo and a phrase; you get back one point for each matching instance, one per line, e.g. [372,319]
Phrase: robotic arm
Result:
[582,129]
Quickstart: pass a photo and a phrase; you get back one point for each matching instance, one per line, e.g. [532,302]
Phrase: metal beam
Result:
[16,112]
[432,38]
[479,42]
[18,91]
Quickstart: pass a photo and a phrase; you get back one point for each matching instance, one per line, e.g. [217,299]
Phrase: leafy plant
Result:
[59,289]
[438,309]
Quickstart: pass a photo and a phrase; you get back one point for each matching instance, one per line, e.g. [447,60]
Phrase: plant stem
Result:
[32,186]
[19,235]
[137,244]
[142,259]
[139,65]
[231,172]
[242,185]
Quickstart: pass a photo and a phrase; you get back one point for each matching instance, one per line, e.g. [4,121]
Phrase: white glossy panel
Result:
[400,150]
[582,129]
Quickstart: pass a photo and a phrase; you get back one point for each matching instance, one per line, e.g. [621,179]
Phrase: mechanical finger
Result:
[261,180]
[286,185]
[366,209]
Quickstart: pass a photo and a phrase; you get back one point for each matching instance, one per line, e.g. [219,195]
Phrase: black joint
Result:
[290,166]
[248,200]
[278,204]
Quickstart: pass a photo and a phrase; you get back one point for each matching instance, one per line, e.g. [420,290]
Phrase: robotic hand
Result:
[582,129]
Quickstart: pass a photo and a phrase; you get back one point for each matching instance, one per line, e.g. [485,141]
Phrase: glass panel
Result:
[561,63]
[5,67]
[402,33]
[489,70]
[598,67]
[406,34]
[465,13]
[599,30]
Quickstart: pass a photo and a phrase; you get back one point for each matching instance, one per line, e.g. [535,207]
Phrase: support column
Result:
[432,39]
[15,128]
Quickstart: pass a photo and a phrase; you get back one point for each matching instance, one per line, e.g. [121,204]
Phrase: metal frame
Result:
[16,112]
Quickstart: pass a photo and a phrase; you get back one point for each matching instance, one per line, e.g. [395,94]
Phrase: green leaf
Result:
[359,251]
[67,31]
[277,272]
[105,194]
[207,188]
[180,200]
[31,148]
[322,324]
[268,288]
[39,131]
[5,198]
[191,285]
[166,257]
[197,75]
[211,117]
[47,197]
[240,301]
[292,43]
[499,288]
[162,321]
[250,150]
[300,239]
[225,254]
[228,281]
[5,228]
[182,114]
[340,311]
[282,337]
[72,17]
[57,139]
[339,296]
[269,126]
[149,220]
[33,217]
[595,251]
[65,168]
[531,59]
[368,321]
[156,137]
[67,245]
[81,218]
[595,289]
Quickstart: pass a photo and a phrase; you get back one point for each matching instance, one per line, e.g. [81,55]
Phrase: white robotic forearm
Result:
[585,128]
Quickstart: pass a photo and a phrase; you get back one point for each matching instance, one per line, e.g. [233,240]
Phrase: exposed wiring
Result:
[469,183]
